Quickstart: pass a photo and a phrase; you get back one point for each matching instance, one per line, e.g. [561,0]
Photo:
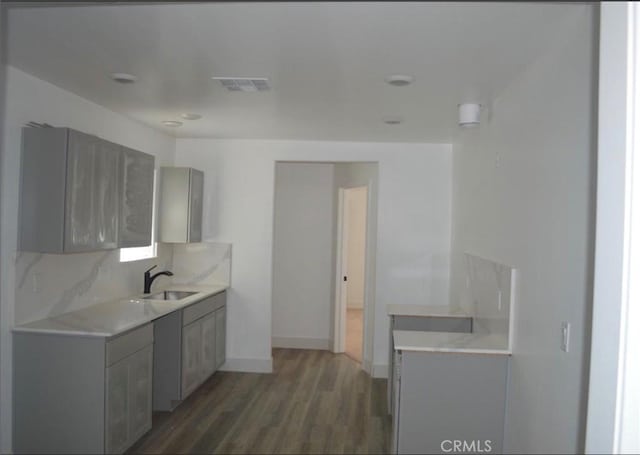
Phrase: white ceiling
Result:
[326,62]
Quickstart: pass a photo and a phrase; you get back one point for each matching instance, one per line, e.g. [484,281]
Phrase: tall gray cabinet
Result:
[82,193]
[82,394]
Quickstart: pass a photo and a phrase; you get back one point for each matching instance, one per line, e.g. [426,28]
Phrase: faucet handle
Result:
[149,270]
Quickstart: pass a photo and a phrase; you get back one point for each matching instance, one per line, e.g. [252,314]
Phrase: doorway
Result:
[352,255]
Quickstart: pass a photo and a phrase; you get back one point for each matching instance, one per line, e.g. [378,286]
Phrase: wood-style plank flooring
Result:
[353,345]
[314,402]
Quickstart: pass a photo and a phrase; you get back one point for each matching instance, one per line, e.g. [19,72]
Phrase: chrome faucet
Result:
[148,278]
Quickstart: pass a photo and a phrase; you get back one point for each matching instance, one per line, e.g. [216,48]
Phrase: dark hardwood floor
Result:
[314,402]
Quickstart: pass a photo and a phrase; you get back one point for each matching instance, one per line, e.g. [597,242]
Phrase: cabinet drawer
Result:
[127,344]
[206,306]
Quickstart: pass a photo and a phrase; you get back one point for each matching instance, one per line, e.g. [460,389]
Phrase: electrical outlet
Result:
[565,328]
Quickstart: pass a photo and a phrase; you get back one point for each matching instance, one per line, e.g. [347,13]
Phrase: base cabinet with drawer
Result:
[190,347]
[82,394]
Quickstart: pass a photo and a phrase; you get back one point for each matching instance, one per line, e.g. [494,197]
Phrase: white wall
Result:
[302,255]
[66,282]
[413,235]
[523,195]
[356,201]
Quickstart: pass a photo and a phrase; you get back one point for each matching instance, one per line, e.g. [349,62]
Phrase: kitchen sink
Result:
[170,295]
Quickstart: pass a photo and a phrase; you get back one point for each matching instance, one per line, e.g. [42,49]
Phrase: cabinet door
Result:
[107,194]
[117,407]
[140,392]
[196,188]
[136,208]
[208,345]
[80,222]
[191,357]
[221,336]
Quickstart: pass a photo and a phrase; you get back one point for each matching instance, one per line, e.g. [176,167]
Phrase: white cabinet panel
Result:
[191,357]
[180,213]
[117,407]
[221,337]
[136,208]
[208,345]
[140,392]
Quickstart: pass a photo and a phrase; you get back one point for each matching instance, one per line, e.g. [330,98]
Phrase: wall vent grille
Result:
[244,84]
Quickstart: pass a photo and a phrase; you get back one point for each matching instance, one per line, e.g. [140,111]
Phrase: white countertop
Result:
[114,317]
[465,343]
[433,311]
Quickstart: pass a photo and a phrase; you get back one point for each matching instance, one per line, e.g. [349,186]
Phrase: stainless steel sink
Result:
[170,295]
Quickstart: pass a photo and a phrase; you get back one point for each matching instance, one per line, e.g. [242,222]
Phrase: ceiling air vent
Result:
[244,84]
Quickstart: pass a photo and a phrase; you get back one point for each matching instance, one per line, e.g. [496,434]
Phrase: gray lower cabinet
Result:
[190,347]
[441,398]
[76,394]
[424,324]
[82,193]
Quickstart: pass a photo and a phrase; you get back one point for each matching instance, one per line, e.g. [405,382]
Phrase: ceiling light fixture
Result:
[392,119]
[172,123]
[399,80]
[469,114]
[188,116]
[124,78]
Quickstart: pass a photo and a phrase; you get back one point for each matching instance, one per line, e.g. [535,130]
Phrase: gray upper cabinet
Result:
[81,193]
[181,201]
[136,208]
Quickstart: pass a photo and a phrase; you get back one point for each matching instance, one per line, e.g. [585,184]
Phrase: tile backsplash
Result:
[51,284]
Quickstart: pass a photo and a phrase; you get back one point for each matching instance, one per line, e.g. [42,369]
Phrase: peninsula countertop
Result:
[432,311]
[466,343]
[111,318]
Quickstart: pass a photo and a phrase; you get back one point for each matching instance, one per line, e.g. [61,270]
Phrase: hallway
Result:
[314,402]
[353,346]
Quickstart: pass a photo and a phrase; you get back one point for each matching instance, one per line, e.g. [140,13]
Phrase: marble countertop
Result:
[465,343]
[117,316]
[433,311]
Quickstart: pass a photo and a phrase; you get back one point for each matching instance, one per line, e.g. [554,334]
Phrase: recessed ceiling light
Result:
[124,78]
[172,123]
[392,119]
[399,80]
[188,116]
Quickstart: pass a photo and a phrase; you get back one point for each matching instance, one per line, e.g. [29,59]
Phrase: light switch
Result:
[566,332]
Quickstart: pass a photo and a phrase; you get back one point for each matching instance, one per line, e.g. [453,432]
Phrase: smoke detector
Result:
[244,84]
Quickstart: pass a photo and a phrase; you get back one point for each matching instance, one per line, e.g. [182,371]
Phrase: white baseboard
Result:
[300,343]
[248,365]
[380,371]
